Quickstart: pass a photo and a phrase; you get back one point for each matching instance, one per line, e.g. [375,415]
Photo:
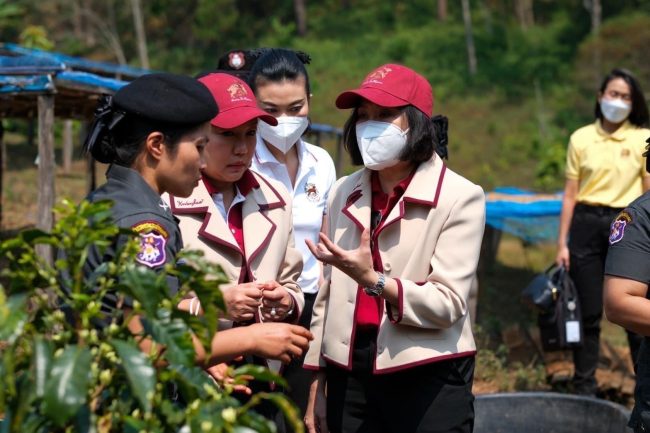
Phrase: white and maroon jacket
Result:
[268,235]
[430,244]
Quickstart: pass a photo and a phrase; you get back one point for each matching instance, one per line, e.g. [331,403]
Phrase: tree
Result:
[469,38]
[140,35]
[301,17]
[525,13]
[595,10]
[442,10]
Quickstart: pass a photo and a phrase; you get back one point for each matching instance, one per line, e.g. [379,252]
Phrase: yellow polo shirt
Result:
[609,167]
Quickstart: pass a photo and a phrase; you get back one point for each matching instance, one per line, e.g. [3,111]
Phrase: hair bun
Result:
[304,57]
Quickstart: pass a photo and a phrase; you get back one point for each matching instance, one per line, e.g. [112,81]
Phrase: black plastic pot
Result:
[548,412]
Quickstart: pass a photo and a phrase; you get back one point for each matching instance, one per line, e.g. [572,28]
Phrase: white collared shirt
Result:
[316,175]
[218,202]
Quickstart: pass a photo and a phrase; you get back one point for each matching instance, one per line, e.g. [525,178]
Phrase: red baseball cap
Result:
[391,86]
[235,100]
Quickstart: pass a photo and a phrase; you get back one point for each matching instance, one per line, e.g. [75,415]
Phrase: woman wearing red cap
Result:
[240,219]
[393,344]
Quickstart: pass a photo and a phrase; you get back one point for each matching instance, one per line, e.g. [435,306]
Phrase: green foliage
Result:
[509,123]
[35,37]
[84,370]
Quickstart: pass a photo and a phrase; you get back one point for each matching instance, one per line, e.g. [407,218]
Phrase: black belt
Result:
[597,209]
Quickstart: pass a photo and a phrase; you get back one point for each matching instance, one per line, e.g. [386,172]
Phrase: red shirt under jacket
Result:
[369,308]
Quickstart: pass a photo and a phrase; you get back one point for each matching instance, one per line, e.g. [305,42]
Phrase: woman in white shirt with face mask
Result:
[605,171]
[281,85]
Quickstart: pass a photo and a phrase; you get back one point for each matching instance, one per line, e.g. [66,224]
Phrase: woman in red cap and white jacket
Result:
[242,221]
[393,344]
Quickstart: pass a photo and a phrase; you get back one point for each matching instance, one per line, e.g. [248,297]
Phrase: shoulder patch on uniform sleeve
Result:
[150,226]
[617,229]
[153,240]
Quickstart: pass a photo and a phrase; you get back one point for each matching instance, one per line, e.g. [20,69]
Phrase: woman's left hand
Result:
[357,264]
[276,301]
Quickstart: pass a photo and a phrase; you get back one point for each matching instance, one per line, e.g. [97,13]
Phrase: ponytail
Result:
[440,137]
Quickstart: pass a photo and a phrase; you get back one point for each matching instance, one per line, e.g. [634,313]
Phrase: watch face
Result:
[371,291]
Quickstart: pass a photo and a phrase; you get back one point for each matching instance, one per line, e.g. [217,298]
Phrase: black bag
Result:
[543,291]
[560,328]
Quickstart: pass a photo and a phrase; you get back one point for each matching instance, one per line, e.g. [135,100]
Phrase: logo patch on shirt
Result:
[152,250]
[312,192]
[618,227]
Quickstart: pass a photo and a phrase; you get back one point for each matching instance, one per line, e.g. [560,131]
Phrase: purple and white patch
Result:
[617,229]
[152,250]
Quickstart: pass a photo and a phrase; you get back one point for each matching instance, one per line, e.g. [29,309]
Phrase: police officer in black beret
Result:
[152,133]
[626,295]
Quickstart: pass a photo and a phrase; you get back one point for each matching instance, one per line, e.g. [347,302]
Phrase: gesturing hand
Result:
[357,264]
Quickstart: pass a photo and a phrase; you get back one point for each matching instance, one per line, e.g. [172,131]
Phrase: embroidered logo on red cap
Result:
[238,92]
[236,60]
[378,74]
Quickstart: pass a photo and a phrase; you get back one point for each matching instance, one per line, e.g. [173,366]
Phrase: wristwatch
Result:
[378,288]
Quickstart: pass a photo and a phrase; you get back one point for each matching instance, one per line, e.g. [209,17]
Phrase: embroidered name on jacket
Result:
[185,203]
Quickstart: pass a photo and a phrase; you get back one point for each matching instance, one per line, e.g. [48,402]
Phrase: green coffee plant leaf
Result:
[139,371]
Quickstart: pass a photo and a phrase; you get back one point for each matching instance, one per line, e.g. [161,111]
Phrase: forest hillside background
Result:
[515,77]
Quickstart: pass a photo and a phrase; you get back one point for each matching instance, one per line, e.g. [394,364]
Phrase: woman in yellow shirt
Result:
[605,171]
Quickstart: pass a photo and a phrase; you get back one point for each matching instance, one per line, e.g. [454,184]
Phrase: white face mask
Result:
[615,110]
[287,132]
[381,143]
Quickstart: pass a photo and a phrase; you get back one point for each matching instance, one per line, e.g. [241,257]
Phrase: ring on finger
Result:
[273,312]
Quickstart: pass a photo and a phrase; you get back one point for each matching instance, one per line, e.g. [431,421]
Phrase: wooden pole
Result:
[91,171]
[67,146]
[45,170]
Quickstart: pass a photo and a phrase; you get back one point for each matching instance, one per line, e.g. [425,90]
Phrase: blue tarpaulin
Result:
[533,217]
[75,63]
[76,83]
[84,78]
[26,83]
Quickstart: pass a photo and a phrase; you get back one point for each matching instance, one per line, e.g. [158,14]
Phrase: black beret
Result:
[171,98]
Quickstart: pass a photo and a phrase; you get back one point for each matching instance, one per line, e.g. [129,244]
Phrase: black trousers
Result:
[588,243]
[296,376]
[435,397]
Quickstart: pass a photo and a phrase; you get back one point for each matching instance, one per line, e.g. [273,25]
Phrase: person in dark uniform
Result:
[154,147]
[626,296]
